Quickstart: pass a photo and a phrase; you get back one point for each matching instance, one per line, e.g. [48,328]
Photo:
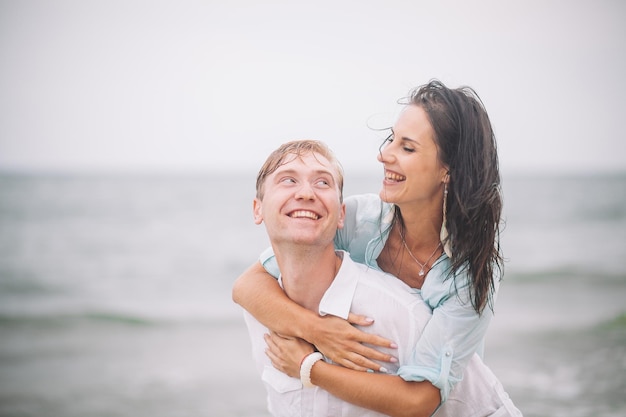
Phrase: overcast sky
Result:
[199,85]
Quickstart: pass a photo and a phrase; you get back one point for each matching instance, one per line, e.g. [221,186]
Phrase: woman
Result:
[435,226]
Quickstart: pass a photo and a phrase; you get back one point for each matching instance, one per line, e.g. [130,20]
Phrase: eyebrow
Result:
[405,138]
[290,171]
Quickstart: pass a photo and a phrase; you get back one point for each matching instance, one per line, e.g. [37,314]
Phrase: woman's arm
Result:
[387,394]
[259,293]
[451,337]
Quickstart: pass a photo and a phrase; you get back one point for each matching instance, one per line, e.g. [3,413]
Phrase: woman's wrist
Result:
[309,327]
[305,368]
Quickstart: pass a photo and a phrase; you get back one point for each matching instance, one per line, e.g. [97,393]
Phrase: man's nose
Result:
[305,191]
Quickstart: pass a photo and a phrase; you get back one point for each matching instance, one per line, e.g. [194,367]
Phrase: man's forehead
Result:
[313,160]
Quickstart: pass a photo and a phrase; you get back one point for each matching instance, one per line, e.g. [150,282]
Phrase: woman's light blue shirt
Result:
[455,331]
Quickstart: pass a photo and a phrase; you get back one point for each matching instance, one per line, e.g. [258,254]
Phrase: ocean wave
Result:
[565,272]
[619,322]
[104,317]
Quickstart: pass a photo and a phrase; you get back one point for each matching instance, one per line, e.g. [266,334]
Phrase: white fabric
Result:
[400,315]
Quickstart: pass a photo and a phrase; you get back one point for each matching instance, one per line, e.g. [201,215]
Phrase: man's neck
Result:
[307,273]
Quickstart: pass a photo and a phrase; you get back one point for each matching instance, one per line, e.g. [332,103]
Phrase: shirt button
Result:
[447,353]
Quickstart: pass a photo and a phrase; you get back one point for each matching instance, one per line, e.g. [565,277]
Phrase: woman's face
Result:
[413,171]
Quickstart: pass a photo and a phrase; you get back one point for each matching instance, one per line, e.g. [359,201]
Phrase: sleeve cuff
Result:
[268,260]
[440,378]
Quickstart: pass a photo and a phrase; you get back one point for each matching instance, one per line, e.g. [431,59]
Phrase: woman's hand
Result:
[286,353]
[343,343]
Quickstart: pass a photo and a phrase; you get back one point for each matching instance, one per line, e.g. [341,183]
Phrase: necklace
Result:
[422,265]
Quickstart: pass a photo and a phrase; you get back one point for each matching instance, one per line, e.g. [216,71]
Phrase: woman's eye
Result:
[386,142]
[407,149]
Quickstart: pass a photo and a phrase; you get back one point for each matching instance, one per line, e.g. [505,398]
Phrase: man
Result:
[299,198]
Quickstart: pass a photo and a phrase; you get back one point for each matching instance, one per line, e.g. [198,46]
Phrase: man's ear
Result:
[257,209]
[342,216]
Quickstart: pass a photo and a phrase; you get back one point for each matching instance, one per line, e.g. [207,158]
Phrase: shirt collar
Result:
[337,299]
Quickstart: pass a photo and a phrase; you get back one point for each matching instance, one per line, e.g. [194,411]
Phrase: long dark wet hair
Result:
[467,146]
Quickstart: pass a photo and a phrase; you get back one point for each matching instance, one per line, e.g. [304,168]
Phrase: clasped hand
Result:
[337,339]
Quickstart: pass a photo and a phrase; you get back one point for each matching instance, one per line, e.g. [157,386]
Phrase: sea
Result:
[115,295]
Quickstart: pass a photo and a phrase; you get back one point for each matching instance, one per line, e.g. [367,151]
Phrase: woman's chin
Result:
[386,196]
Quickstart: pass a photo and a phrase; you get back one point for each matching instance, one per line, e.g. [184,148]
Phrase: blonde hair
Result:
[297,148]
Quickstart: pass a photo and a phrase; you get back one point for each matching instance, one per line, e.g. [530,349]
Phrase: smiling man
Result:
[299,198]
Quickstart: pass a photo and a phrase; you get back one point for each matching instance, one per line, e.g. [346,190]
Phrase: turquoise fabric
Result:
[454,333]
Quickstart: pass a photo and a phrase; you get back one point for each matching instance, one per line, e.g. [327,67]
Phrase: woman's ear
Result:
[446,176]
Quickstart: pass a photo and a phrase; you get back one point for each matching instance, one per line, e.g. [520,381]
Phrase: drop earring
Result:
[444,236]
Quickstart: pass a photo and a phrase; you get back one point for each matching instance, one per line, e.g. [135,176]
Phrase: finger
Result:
[360,363]
[376,340]
[282,336]
[270,342]
[368,353]
[361,336]
[277,340]
[359,319]
[352,365]
[273,359]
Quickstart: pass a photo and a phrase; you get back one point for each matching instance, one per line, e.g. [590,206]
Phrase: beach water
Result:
[115,295]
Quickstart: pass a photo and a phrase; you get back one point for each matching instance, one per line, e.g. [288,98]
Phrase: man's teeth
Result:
[394,177]
[304,214]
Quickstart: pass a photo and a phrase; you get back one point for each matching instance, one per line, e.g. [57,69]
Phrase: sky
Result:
[177,86]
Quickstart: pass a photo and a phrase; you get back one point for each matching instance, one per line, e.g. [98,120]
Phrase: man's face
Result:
[301,203]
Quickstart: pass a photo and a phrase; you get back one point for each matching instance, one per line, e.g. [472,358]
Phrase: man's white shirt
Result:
[400,314]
